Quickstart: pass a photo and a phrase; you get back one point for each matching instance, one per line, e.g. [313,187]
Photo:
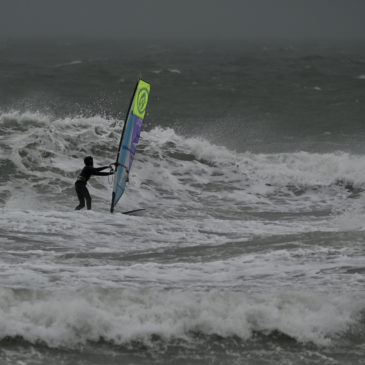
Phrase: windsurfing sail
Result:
[129,139]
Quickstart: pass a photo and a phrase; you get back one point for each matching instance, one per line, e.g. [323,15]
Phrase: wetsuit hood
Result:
[89,161]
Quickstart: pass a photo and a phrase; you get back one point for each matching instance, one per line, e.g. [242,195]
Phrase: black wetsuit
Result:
[80,184]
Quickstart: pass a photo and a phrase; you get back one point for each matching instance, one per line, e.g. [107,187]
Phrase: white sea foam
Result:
[174,70]
[71,318]
[282,168]
[17,117]
[71,63]
[119,250]
[52,149]
[203,200]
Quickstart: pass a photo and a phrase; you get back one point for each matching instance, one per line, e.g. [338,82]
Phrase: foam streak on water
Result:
[239,255]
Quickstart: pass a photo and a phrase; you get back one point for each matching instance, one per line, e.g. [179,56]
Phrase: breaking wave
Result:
[73,318]
[47,152]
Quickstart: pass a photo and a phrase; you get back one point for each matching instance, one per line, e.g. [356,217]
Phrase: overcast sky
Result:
[215,19]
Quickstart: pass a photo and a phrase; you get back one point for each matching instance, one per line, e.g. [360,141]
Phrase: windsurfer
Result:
[85,174]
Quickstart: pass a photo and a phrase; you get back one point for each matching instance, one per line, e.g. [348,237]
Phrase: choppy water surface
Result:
[252,172]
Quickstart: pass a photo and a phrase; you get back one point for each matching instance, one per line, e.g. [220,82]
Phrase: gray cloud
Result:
[213,19]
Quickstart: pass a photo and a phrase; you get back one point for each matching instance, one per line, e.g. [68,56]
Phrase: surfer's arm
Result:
[100,168]
[104,173]
[97,171]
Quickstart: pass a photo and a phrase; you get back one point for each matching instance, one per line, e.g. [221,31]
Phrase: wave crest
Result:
[65,318]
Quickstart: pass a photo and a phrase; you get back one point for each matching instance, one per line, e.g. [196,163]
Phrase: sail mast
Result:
[121,139]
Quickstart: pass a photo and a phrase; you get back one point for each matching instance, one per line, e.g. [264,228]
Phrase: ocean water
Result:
[251,170]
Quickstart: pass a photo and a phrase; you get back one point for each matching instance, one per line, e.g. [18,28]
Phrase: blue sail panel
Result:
[126,155]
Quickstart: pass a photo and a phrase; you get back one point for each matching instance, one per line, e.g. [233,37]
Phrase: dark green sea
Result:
[251,171]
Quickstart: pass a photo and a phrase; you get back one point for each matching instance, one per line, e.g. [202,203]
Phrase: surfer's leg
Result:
[88,198]
[80,195]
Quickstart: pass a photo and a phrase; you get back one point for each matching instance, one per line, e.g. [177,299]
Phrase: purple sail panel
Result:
[135,137]
[136,130]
